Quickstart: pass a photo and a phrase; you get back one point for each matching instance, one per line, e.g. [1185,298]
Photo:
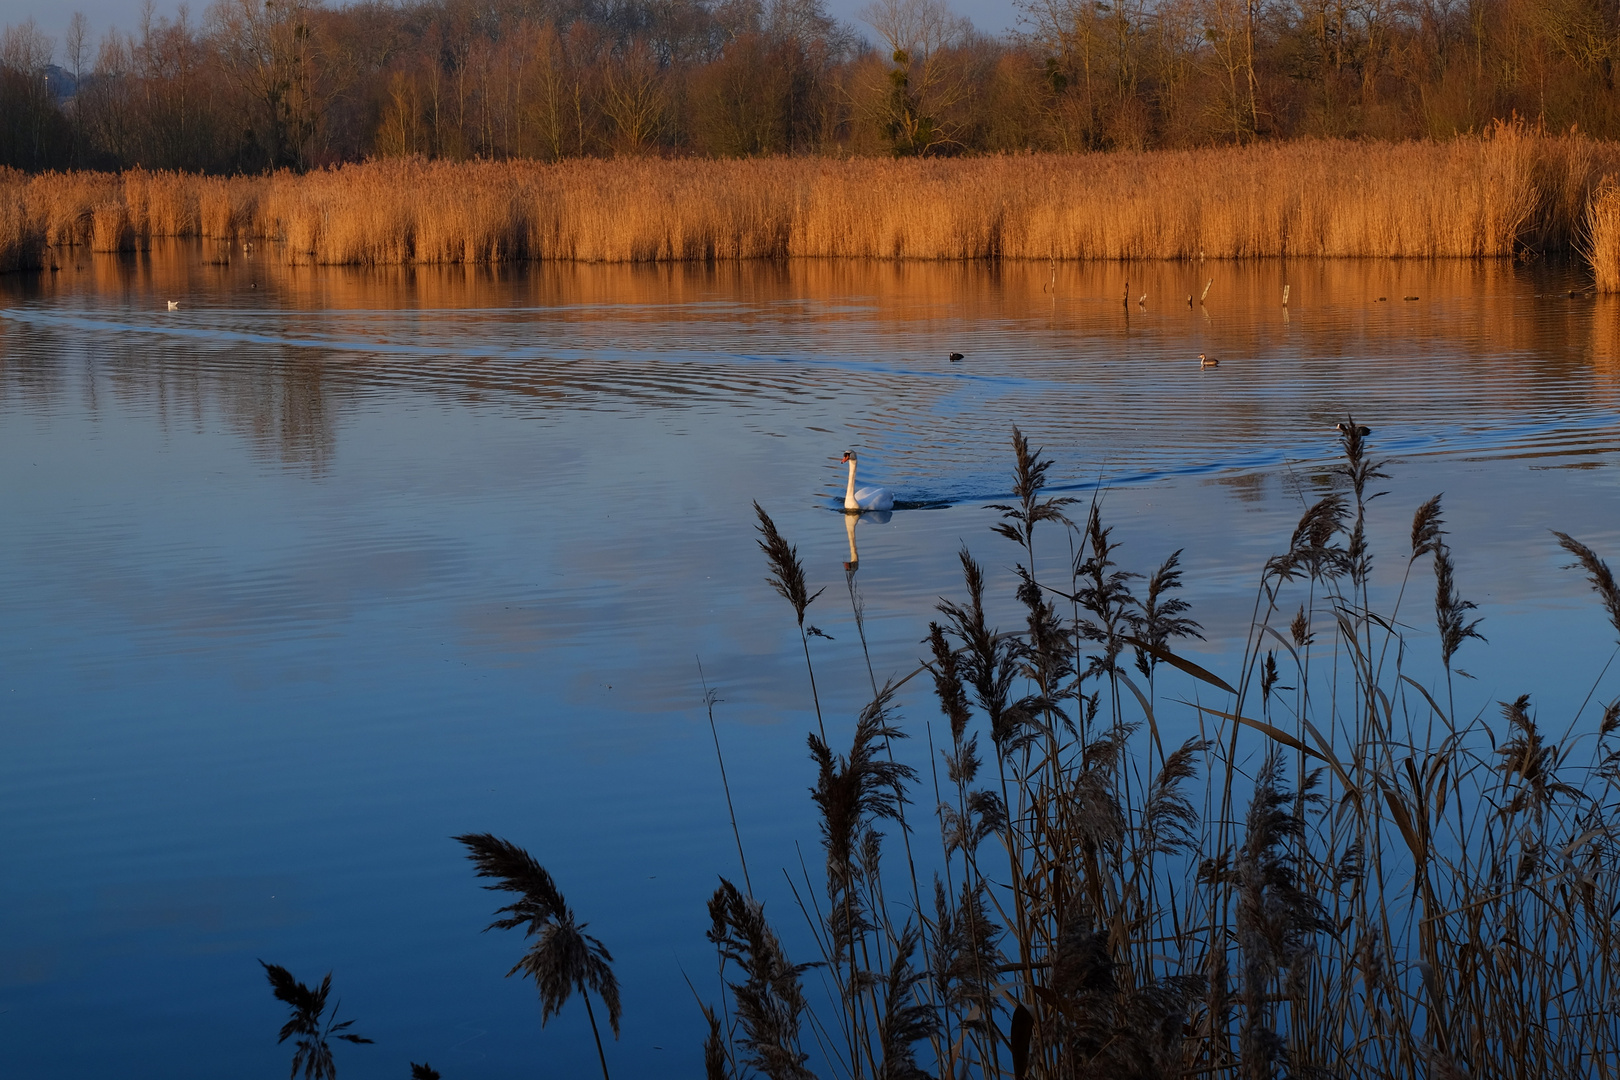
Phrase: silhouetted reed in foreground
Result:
[787,578]
[564,958]
[1336,875]
[310,1022]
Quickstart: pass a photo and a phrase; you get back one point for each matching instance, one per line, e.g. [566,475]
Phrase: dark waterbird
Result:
[956,357]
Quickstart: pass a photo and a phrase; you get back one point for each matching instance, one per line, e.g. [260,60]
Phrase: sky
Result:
[989,16]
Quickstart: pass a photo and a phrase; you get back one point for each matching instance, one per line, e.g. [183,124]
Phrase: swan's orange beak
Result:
[845,459]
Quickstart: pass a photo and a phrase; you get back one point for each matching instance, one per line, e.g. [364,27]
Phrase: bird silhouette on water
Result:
[1360,429]
[956,357]
[1206,361]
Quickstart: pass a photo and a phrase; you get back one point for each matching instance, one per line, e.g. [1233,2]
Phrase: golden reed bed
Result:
[1474,197]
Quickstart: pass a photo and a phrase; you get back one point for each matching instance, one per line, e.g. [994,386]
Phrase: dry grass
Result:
[1603,238]
[1473,197]
[22,240]
[1343,875]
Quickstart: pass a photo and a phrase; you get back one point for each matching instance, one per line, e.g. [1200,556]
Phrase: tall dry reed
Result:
[1602,243]
[1340,875]
[1476,197]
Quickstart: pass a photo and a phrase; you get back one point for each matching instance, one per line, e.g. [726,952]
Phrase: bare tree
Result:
[26,105]
[634,97]
[268,47]
[924,82]
[76,45]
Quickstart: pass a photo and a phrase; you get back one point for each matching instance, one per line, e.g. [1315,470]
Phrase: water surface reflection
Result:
[325,566]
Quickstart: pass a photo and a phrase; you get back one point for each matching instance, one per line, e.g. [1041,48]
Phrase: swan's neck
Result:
[849,492]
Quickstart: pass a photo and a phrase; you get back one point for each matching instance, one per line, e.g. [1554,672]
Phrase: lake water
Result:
[325,566]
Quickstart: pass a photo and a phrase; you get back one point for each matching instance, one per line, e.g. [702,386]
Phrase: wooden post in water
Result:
[1205,296]
[1127,294]
[1285,296]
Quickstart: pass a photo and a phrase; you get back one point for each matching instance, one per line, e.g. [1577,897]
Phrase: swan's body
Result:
[1204,361]
[866,498]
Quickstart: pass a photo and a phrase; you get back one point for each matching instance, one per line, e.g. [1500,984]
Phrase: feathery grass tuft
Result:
[315,1028]
[1407,890]
[564,958]
[787,572]
[1598,573]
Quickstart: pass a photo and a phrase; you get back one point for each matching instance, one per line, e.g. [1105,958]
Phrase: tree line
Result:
[254,85]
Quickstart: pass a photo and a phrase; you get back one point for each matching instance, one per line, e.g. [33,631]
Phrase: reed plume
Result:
[1311,549]
[1161,617]
[1426,528]
[964,965]
[988,662]
[1019,521]
[787,572]
[787,578]
[1450,610]
[564,958]
[715,1064]
[1104,593]
[770,1004]
[1386,905]
[855,790]
[315,1028]
[1598,573]
[907,1017]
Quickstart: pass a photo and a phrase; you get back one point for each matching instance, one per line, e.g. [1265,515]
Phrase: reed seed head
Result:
[787,572]
[1598,573]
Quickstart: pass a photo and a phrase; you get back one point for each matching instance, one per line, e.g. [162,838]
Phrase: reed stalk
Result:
[1486,196]
[1367,883]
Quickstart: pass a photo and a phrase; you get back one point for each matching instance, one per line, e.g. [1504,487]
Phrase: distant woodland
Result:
[256,85]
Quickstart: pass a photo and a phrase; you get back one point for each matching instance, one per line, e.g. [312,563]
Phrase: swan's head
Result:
[849,455]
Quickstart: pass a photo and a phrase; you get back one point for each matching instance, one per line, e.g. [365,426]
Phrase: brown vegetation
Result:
[1602,244]
[1339,874]
[1491,196]
[245,86]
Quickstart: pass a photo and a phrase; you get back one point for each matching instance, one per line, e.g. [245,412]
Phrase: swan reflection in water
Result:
[879,517]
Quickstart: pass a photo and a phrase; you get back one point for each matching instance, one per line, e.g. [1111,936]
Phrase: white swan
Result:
[866,498]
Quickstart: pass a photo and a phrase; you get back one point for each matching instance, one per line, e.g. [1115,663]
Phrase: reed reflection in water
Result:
[325,567]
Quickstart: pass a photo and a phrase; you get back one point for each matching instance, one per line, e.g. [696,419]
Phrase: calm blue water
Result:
[325,566]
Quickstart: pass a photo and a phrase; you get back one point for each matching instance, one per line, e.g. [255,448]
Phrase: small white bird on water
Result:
[174,305]
[866,498]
